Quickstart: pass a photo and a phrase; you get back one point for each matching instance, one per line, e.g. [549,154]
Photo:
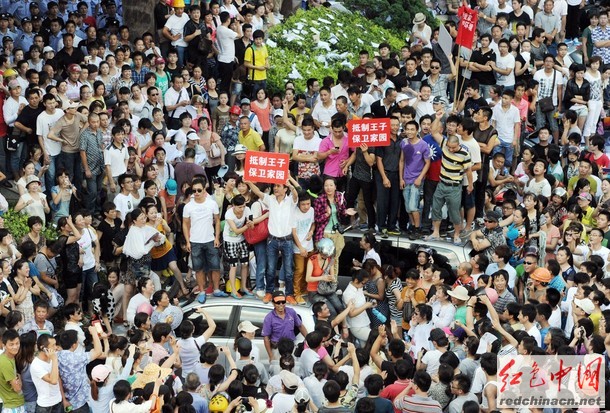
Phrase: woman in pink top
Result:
[262,108]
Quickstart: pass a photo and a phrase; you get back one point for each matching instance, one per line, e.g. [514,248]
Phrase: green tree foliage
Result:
[320,42]
[17,225]
[392,14]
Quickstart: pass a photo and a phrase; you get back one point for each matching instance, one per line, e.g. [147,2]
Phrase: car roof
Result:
[304,311]
[401,239]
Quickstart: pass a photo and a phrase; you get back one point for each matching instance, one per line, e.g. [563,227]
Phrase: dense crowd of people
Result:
[132,145]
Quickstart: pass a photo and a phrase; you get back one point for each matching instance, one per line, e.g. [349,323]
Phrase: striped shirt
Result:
[454,164]
[416,404]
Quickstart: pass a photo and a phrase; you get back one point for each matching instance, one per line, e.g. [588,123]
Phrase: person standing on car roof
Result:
[280,323]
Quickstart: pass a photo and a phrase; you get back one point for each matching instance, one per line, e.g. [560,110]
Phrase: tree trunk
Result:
[139,16]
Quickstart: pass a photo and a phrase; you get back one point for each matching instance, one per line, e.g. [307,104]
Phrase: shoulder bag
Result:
[327,287]
[407,309]
[546,104]
[260,232]
[215,150]
[12,140]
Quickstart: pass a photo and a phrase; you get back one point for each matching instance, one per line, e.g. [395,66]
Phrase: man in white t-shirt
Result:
[430,360]
[305,152]
[539,184]
[45,375]
[465,131]
[507,122]
[174,29]
[357,319]
[50,148]
[116,157]
[527,317]
[303,225]
[323,112]
[124,201]
[546,88]
[225,40]
[201,228]
[176,100]
[504,66]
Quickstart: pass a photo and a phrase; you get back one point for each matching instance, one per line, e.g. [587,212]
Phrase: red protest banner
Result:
[467,26]
[373,132]
[267,167]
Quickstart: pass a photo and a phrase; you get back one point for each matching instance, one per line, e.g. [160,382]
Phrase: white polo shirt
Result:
[116,157]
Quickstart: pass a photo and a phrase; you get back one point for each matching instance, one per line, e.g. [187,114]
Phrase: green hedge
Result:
[392,14]
[320,42]
[17,224]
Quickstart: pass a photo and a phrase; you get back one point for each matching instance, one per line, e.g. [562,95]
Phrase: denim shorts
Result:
[205,257]
[411,196]
[468,201]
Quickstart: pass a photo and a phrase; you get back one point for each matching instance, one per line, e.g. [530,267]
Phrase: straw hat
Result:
[150,374]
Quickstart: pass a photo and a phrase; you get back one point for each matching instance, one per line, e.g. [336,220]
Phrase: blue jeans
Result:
[13,159]
[72,163]
[507,149]
[181,55]
[49,177]
[274,248]
[484,91]
[388,200]
[258,85]
[260,252]
[547,119]
[90,278]
[94,186]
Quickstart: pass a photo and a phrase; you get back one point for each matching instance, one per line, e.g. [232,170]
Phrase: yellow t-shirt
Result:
[260,58]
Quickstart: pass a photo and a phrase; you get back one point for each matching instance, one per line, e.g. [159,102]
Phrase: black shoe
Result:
[425,231]
[6,184]
[415,234]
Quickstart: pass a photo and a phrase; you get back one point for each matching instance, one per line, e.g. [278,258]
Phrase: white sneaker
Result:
[260,294]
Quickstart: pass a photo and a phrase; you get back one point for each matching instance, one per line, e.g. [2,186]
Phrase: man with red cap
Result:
[229,135]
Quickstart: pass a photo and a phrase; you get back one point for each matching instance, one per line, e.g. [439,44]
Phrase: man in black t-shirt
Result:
[413,75]
[481,71]
[26,120]
[472,101]
[193,30]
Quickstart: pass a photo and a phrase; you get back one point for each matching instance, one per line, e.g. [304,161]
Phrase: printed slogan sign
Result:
[266,167]
[373,132]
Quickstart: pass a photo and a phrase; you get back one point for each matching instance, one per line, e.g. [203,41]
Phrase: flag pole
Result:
[457,83]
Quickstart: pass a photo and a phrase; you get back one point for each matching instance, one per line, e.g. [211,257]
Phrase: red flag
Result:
[467,26]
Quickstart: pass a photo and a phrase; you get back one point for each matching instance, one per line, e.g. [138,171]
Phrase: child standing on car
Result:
[237,220]
[302,233]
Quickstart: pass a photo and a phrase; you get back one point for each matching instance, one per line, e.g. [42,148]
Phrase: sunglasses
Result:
[279,302]
[198,190]
[435,67]
[527,263]
[487,220]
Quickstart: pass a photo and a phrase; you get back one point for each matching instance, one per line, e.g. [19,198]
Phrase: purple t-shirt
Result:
[415,156]
[332,166]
